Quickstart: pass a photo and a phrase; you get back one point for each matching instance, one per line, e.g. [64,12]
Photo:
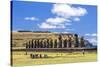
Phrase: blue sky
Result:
[36,16]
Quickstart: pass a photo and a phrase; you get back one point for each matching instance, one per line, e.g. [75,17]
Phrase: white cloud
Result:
[67,24]
[45,25]
[67,11]
[49,26]
[31,18]
[94,34]
[57,22]
[68,20]
[87,34]
[76,19]
[69,29]
[65,32]
[91,34]
[65,14]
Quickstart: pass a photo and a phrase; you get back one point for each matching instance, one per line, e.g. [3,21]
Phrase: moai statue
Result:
[37,43]
[47,43]
[51,43]
[26,45]
[69,42]
[65,43]
[32,45]
[26,48]
[76,40]
[60,41]
[41,44]
[55,43]
[29,43]
[82,42]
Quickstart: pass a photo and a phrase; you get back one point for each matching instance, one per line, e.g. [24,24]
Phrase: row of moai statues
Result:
[56,43]
[38,56]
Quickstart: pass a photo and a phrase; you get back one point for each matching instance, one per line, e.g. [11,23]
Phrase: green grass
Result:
[20,59]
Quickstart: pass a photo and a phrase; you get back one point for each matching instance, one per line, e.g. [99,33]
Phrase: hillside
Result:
[46,39]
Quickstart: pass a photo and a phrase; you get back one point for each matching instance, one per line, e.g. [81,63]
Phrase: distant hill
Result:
[88,44]
[21,37]
[34,31]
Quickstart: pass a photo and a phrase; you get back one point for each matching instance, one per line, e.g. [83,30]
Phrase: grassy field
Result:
[20,59]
